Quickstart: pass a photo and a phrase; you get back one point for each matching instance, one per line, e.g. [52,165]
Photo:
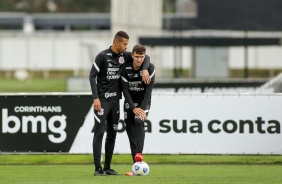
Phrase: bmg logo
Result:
[23,124]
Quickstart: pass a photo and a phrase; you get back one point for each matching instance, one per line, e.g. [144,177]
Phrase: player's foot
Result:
[129,173]
[111,172]
[138,157]
[100,172]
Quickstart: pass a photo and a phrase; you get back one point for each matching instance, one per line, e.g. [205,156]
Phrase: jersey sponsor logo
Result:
[113,69]
[113,77]
[108,95]
[135,83]
[121,60]
[129,68]
[112,74]
[135,86]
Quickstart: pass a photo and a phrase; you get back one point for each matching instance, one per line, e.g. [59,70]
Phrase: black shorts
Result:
[109,116]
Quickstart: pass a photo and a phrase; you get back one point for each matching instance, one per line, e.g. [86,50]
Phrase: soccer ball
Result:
[140,168]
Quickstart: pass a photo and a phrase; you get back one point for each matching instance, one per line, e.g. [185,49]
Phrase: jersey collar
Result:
[115,54]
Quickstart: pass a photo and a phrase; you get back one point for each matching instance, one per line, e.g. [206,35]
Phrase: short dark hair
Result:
[120,35]
[139,49]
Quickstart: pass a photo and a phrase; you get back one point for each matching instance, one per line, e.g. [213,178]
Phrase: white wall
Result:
[70,51]
[136,18]
[50,51]
[262,57]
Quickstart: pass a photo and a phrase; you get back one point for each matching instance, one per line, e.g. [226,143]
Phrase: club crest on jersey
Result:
[101,112]
[121,60]
[115,127]
[127,106]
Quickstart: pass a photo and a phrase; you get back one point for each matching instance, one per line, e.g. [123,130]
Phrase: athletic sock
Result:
[106,166]
[97,168]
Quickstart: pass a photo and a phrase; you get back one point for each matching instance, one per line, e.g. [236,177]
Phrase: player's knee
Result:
[138,120]
[98,136]
[111,136]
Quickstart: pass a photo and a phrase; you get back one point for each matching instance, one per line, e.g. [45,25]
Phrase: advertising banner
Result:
[177,124]
[215,124]
[41,123]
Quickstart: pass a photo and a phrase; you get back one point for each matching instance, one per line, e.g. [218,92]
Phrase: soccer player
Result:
[106,91]
[137,102]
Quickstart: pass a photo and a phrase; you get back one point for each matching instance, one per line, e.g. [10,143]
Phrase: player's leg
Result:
[139,137]
[140,134]
[99,130]
[130,130]
[112,127]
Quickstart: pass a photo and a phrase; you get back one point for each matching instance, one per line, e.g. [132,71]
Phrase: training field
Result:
[163,169]
[158,174]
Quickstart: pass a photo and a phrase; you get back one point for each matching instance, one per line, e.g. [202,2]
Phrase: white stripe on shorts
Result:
[97,119]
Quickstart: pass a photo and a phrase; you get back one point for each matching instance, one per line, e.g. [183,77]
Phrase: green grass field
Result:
[43,159]
[35,85]
[158,174]
[65,168]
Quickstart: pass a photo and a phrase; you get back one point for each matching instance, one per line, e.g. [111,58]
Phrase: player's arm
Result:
[125,89]
[148,92]
[145,74]
[149,88]
[92,79]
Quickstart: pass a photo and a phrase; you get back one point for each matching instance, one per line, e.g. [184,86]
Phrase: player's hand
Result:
[97,104]
[140,113]
[146,77]
[143,116]
[137,111]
